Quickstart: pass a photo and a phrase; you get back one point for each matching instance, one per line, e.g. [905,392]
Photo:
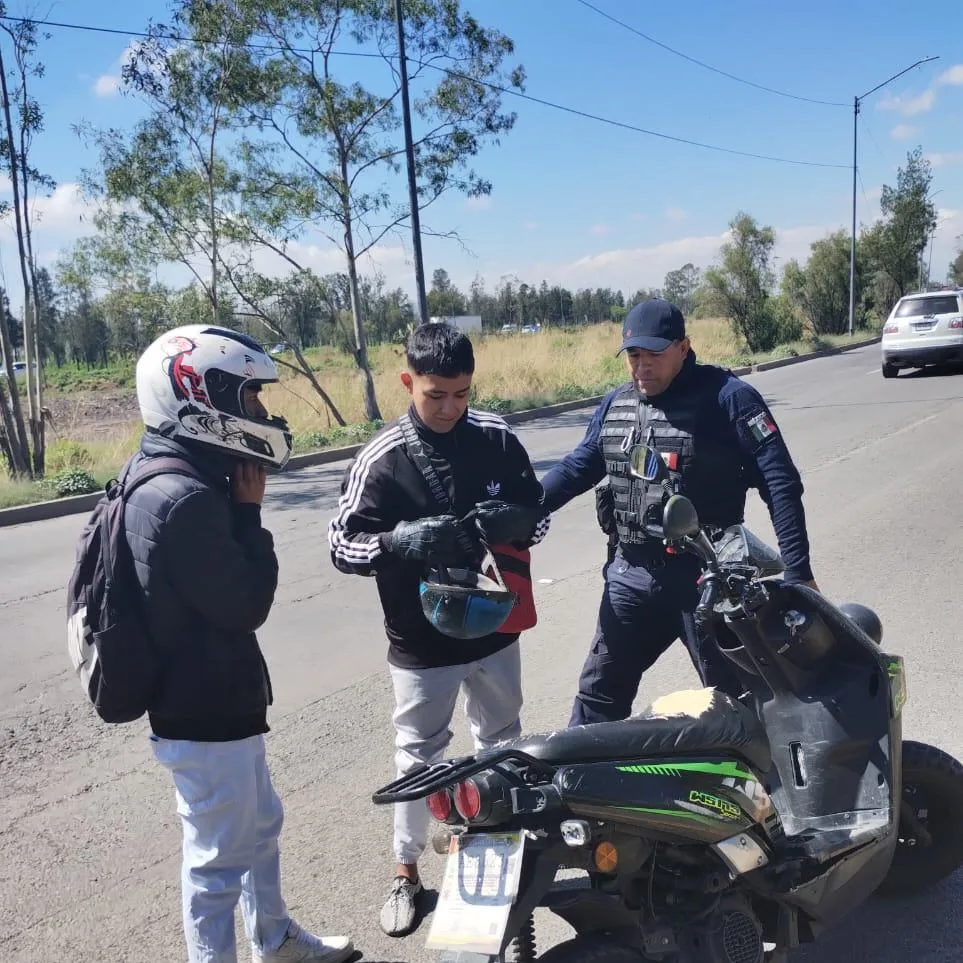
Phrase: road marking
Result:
[878,441]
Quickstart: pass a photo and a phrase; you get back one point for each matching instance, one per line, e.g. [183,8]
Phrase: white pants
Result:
[424,705]
[231,818]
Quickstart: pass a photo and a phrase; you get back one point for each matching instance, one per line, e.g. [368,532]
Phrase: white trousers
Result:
[231,818]
[425,702]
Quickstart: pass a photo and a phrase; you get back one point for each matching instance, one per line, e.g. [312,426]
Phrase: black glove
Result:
[501,522]
[425,540]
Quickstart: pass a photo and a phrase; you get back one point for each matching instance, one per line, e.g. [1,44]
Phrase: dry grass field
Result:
[96,425]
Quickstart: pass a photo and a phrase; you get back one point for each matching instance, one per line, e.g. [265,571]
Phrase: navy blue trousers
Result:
[645,607]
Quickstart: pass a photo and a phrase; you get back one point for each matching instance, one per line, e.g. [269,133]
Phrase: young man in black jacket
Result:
[208,572]
[390,525]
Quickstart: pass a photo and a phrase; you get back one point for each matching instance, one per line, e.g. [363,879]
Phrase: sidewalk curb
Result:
[77,504]
[825,353]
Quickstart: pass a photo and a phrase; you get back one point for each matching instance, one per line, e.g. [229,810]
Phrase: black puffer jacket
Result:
[209,572]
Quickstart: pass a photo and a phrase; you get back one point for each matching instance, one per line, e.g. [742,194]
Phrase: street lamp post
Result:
[852,241]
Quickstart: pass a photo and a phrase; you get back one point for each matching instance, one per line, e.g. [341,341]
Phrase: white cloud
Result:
[600,230]
[632,268]
[945,159]
[64,213]
[65,216]
[481,203]
[322,257]
[909,106]
[107,85]
[531,225]
[676,214]
[952,77]
[903,132]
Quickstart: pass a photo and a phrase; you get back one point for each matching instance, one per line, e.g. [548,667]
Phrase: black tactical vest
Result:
[704,458]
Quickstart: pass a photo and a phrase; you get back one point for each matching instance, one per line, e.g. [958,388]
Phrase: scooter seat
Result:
[691,722]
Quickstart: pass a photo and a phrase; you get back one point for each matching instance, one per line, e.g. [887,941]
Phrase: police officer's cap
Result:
[652,325]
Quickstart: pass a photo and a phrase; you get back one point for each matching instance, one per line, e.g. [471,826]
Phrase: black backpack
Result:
[108,640]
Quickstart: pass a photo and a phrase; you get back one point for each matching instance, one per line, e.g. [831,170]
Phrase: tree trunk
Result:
[27,333]
[212,212]
[371,410]
[305,369]
[34,382]
[8,444]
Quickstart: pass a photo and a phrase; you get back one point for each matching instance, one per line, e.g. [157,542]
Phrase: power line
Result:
[869,207]
[671,137]
[702,63]
[872,137]
[454,73]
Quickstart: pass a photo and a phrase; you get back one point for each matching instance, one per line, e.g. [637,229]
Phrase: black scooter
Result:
[711,829]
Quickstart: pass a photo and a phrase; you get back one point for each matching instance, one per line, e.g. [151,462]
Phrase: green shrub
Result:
[70,481]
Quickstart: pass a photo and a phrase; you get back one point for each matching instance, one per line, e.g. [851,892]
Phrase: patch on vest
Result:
[761,427]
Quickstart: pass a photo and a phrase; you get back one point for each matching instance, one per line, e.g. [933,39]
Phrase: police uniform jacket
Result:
[732,444]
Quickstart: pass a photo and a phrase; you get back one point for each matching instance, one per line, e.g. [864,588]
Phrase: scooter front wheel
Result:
[930,845]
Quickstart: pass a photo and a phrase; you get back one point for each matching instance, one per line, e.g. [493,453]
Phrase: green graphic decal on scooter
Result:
[729,769]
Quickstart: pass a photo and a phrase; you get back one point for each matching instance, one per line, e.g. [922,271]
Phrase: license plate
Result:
[480,885]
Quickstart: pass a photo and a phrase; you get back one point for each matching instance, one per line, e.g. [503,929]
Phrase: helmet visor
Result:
[465,611]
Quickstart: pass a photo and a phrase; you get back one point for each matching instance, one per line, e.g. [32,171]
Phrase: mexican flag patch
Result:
[761,427]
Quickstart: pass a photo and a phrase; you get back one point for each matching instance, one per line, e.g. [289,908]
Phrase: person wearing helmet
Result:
[445,604]
[208,574]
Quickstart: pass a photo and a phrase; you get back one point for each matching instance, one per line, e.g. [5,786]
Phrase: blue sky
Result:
[587,204]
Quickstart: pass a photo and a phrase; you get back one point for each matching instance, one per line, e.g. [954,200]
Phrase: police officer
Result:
[718,439]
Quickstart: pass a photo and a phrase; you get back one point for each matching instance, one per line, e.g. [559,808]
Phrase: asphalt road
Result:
[89,843]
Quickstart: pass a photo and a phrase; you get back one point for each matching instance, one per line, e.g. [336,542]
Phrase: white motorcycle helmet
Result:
[190,386]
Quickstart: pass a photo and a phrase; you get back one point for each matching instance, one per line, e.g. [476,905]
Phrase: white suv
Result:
[923,328]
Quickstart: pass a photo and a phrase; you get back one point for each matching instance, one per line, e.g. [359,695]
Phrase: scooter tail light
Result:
[468,799]
[439,805]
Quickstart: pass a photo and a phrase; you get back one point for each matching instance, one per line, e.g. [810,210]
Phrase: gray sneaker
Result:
[398,913]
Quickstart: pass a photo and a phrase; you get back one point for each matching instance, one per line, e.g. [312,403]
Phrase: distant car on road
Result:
[19,370]
[923,328]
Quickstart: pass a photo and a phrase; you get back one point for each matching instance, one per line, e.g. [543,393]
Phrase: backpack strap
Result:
[423,463]
[124,488]
[152,467]
[416,449]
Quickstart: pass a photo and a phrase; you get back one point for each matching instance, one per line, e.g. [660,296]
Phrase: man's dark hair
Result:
[440,349]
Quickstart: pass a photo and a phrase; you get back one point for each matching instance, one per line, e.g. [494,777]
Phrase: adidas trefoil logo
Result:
[493,488]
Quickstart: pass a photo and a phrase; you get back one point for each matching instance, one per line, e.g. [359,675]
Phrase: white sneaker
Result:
[300,946]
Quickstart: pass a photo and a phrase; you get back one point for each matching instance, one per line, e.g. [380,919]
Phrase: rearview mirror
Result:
[647,464]
[679,518]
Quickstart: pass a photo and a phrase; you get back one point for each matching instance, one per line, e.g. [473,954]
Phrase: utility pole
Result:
[852,241]
[412,180]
